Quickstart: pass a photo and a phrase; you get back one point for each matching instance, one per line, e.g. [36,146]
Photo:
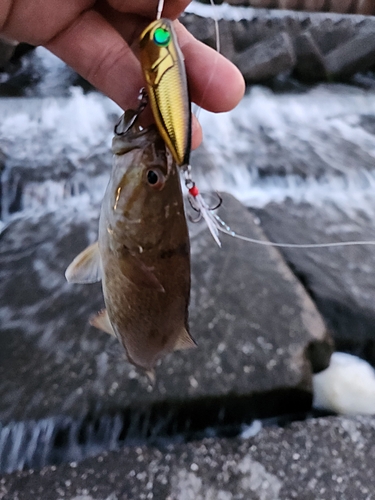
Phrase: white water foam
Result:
[42,130]
[38,132]
[48,132]
[235,144]
[237,13]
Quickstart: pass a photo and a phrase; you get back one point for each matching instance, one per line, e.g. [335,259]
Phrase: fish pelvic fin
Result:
[151,376]
[86,267]
[184,341]
[101,321]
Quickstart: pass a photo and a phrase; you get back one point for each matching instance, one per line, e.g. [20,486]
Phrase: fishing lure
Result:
[166,82]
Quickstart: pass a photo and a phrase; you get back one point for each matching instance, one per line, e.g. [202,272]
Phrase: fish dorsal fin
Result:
[101,321]
[86,267]
[184,341]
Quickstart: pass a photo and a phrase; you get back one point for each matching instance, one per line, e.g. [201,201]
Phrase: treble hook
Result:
[193,192]
[199,205]
[122,127]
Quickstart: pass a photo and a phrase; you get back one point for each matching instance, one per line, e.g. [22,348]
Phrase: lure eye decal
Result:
[162,37]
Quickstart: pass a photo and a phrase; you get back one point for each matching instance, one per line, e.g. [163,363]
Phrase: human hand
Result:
[95,38]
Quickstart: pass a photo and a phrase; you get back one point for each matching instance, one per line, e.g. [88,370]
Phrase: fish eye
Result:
[155,179]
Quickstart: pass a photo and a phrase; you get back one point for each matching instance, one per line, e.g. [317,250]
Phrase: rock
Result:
[260,27]
[201,27]
[267,59]
[310,61]
[7,49]
[330,34]
[357,54]
[253,322]
[258,41]
[329,459]
[38,73]
[339,279]
[204,30]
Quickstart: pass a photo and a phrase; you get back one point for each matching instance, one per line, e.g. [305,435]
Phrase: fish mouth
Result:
[129,134]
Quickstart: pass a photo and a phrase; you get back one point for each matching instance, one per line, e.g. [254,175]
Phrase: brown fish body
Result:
[144,250]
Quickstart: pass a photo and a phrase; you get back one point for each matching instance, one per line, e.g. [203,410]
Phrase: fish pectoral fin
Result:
[142,276]
[86,267]
[101,321]
[184,341]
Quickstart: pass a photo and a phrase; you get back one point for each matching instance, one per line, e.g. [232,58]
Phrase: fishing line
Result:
[217,49]
[224,228]
[216,224]
[160,9]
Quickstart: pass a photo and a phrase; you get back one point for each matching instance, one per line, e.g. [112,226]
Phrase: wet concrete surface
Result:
[329,459]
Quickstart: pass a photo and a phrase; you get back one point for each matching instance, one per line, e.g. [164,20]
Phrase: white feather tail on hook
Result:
[198,203]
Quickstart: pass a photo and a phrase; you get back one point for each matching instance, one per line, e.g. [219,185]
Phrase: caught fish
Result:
[143,254]
[164,71]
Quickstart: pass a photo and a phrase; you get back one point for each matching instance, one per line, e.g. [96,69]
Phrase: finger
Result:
[98,52]
[196,133]
[148,8]
[37,22]
[215,83]
[146,119]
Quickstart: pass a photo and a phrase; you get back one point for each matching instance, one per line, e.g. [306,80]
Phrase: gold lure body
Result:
[164,71]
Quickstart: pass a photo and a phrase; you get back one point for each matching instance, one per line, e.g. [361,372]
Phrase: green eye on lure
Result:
[164,71]
[162,37]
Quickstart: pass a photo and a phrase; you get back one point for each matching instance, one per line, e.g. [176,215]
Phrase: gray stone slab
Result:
[357,54]
[259,43]
[339,279]
[37,72]
[325,459]
[267,58]
[310,60]
[252,320]
[330,34]
[7,49]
